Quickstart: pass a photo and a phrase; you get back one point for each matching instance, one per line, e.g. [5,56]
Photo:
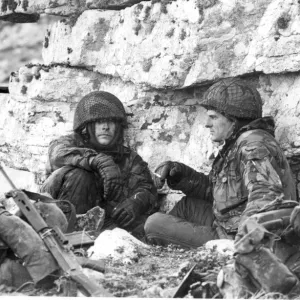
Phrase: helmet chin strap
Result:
[231,130]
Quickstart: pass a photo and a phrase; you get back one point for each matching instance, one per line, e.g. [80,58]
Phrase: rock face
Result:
[184,42]
[170,126]
[21,44]
[158,57]
[22,11]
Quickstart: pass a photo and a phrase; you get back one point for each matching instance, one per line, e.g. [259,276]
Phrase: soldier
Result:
[91,167]
[249,172]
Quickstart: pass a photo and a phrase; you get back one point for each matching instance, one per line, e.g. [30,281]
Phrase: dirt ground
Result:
[157,273]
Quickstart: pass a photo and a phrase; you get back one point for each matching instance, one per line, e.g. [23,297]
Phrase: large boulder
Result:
[119,245]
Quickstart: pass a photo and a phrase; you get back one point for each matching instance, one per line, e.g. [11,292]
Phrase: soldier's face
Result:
[105,132]
[220,127]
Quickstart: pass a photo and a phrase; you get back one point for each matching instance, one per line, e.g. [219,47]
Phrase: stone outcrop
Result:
[27,11]
[158,57]
[119,245]
[21,44]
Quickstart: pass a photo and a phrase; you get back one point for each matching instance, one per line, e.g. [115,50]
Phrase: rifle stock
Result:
[56,244]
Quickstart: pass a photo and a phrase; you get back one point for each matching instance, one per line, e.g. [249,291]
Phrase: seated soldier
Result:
[249,173]
[91,167]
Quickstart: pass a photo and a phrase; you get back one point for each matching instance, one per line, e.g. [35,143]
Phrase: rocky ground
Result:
[157,273]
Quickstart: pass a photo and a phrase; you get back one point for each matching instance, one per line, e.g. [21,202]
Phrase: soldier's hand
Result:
[124,214]
[110,172]
[169,170]
[295,220]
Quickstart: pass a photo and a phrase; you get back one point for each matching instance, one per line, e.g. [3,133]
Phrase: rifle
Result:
[58,246]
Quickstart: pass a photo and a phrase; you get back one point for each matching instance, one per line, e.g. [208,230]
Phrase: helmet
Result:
[234,97]
[97,106]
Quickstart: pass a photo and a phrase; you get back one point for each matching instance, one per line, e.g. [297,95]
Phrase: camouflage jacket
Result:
[137,185]
[248,173]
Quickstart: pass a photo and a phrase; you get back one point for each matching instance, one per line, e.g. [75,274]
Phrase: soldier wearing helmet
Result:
[249,175]
[249,171]
[91,167]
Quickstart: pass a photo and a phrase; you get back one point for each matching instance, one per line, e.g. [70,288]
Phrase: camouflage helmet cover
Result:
[234,97]
[96,106]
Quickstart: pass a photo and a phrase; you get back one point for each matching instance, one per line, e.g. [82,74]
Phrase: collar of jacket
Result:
[265,123]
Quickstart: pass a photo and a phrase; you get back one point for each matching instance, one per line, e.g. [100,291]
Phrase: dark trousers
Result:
[80,187]
[188,224]
[84,190]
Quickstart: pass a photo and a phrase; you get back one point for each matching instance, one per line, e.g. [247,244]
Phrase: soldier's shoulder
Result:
[134,156]
[257,144]
[255,135]
[67,138]
[130,152]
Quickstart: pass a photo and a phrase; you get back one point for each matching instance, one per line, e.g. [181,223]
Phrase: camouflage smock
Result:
[138,186]
[248,173]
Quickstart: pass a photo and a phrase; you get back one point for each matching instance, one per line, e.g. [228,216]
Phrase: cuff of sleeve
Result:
[87,164]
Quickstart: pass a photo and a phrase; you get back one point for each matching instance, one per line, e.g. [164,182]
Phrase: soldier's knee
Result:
[153,223]
[68,177]
[80,176]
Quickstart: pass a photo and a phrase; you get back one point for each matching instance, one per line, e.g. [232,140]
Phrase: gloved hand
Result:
[125,213]
[172,171]
[109,171]
[295,220]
